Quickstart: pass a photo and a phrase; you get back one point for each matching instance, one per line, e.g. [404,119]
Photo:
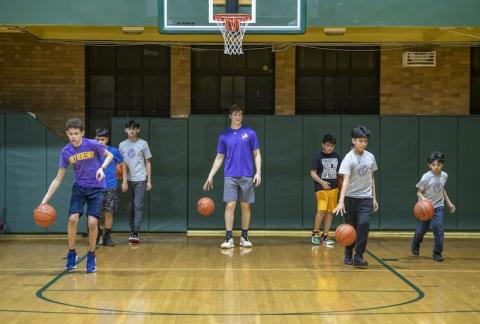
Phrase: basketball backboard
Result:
[196,16]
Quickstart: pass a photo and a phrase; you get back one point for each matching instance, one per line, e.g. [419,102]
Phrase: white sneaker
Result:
[245,242]
[228,244]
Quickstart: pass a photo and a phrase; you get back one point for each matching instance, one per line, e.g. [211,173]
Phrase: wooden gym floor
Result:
[177,279]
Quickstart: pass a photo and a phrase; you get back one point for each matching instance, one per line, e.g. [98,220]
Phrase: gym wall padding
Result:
[203,134]
[184,149]
[283,173]
[468,176]
[26,174]
[399,172]
[168,200]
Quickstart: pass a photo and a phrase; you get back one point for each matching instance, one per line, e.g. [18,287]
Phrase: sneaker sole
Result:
[227,247]
[246,245]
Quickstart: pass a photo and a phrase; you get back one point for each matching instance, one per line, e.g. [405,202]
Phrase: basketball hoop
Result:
[233,28]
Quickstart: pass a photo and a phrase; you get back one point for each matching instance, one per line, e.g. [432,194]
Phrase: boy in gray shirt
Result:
[137,175]
[432,187]
[357,198]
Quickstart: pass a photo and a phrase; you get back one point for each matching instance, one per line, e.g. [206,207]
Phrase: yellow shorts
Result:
[327,200]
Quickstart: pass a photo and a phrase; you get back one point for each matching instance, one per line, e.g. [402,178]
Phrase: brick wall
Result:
[46,79]
[443,89]
[180,80]
[285,82]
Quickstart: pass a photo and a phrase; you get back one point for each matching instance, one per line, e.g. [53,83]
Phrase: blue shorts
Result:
[81,195]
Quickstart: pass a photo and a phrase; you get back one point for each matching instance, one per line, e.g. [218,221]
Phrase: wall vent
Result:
[419,59]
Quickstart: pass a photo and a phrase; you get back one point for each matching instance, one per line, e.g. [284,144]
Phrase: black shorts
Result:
[110,200]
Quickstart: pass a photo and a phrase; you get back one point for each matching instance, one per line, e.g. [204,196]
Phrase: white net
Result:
[232,28]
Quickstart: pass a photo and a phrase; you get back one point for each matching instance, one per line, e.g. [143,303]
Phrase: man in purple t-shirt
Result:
[85,157]
[238,146]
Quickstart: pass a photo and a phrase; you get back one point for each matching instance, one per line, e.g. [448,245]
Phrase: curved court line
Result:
[420,295]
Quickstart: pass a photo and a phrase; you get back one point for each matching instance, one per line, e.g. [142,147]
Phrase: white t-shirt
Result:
[135,154]
[360,168]
[432,186]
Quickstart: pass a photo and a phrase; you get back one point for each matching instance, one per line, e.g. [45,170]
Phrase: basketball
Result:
[205,206]
[119,171]
[345,234]
[424,210]
[44,215]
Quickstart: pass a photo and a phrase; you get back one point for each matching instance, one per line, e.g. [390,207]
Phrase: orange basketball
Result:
[44,215]
[424,210]
[345,234]
[205,206]
[119,171]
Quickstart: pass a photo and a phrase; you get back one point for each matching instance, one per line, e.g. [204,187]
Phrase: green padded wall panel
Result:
[203,132]
[468,157]
[399,173]
[25,171]
[168,200]
[2,169]
[283,172]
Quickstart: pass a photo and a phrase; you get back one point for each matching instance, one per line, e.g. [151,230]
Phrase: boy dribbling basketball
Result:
[85,156]
[432,187]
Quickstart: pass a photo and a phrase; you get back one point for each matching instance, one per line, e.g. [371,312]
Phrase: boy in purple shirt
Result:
[238,146]
[85,157]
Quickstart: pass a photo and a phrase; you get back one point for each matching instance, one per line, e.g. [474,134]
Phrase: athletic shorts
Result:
[239,188]
[110,200]
[93,197]
[327,200]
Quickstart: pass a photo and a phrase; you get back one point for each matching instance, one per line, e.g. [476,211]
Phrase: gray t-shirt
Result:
[135,154]
[432,187]
[360,168]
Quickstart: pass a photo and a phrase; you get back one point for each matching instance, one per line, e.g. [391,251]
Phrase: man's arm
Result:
[341,201]
[216,165]
[257,179]
[148,165]
[450,205]
[374,194]
[325,185]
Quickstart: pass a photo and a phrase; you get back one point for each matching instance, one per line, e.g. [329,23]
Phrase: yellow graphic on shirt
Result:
[81,156]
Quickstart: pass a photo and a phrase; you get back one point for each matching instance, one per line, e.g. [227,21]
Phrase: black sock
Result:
[91,253]
[245,232]
[107,231]
[72,250]
[229,234]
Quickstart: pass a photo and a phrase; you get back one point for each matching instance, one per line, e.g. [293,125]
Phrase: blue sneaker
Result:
[72,259]
[91,263]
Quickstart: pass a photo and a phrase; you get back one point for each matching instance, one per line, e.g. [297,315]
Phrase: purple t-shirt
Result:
[86,160]
[238,146]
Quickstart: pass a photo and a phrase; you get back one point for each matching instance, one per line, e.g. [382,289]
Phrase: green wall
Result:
[184,149]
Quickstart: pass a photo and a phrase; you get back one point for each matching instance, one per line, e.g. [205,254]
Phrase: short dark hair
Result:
[75,123]
[436,156]
[360,132]
[132,124]
[329,139]
[102,132]
[236,107]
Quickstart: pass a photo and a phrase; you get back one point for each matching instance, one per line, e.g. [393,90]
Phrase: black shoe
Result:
[107,240]
[437,256]
[415,250]
[348,258]
[359,261]
[3,227]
